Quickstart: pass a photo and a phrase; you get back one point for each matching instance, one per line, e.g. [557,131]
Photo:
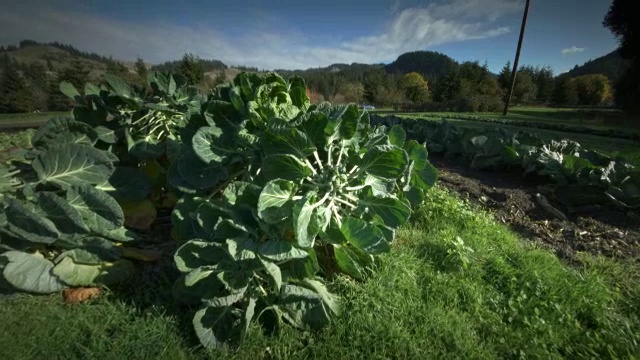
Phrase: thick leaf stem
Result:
[353,169]
[310,165]
[340,155]
[321,201]
[355,188]
[310,179]
[142,118]
[351,197]
[344,202]
[16,172]
[317,157]
[329,160]
[334,209]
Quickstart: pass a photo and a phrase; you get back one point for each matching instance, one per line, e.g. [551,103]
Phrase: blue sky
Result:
[291,34]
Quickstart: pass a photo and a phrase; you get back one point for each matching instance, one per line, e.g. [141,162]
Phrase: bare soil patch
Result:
[601,230]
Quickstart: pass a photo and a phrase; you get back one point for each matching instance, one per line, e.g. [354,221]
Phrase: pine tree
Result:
[191,69]
[504,78]
[141,68]
[15,94]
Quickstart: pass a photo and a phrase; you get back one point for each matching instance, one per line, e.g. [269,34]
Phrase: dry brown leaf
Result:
[80,295]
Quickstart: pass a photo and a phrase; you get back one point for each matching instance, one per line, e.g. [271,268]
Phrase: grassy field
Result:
[493,296]
[12,121]
[594,118]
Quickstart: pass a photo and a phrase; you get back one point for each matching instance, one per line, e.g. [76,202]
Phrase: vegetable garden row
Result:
[577,176]
[270,196]
[613,133]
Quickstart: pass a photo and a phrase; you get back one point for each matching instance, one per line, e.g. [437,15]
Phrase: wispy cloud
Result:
[409,29]
[573,50]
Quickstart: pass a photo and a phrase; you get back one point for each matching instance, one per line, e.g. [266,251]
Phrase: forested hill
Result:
[611,65]
[429,64]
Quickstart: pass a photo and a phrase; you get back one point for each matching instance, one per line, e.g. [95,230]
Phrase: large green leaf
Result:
[30,273]
[67,219]
[388,162]
[364,235]
[274,203]
[119,86]
[199,174]
[197,253]
[303,218]
[397,136]
[287,140]
[68,89]
[280,250]
[424,179]
[298,92]
[130,184]
[417,153]
[304,307]
[284,166]
[63,130]
[82,274]
[214,326]
[30,225]
[209,145]
[352,261]
[393,211]
[100,211]
[73,164]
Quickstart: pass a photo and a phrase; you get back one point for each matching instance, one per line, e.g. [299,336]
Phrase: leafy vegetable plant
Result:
[323,193]
[58,226]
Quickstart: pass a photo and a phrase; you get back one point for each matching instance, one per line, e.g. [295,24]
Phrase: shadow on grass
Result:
[151,289]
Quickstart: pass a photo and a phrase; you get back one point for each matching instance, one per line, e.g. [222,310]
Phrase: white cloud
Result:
[573,50]
[409,29]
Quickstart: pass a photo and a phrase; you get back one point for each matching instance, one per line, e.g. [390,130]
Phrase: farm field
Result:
[628,147]
[491,295]
[210,236]
[592,118]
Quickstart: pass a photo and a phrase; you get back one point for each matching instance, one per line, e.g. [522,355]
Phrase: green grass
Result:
[492,297]
[593,118]
[27,119]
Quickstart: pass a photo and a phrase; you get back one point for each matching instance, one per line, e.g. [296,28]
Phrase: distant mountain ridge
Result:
[612,65]
[430,64]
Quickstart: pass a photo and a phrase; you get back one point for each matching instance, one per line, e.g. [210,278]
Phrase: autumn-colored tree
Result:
[593,89]
[416,88]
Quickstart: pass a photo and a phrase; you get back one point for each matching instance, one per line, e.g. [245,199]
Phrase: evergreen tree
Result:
[191,69]
[544,82]
[141,68]
[564,92]
[504,78]
[15,95]
[77,74]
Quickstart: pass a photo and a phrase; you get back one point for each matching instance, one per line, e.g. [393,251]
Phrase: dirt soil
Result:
[601,230]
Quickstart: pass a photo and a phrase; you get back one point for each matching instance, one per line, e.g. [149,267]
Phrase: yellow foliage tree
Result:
[416,88]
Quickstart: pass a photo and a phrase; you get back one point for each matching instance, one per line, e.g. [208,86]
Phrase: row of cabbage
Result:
[270,196]
[578,176]
[555,126]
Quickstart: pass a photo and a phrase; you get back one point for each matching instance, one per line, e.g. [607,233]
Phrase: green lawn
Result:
[27,119]
[495,296]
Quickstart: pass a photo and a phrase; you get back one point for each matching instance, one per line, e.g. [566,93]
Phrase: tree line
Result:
[421,80]
[28,87]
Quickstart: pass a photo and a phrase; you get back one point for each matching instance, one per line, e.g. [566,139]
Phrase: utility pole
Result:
[515,62]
